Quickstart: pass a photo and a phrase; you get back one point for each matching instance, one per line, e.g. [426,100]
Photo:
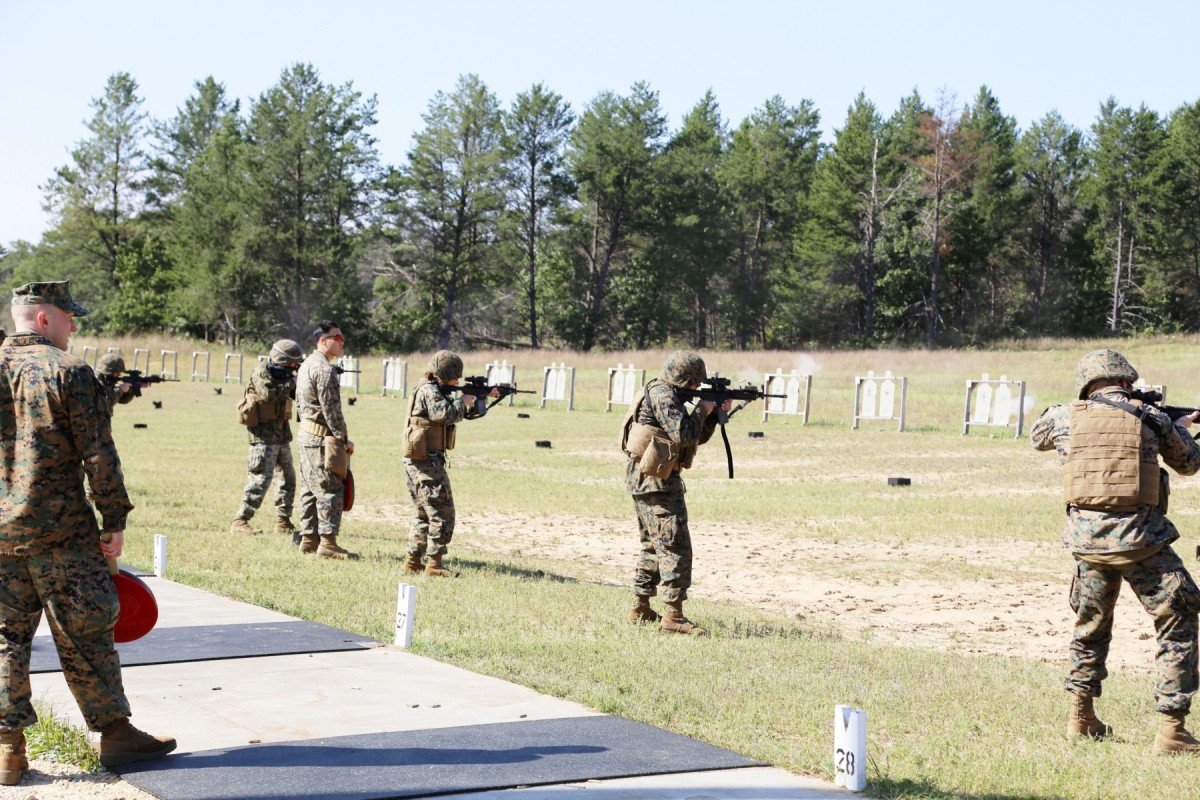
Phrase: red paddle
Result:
[139,609]
[348,499]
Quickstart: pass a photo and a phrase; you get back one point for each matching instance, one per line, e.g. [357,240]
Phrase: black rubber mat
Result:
[216,642]
[428,763]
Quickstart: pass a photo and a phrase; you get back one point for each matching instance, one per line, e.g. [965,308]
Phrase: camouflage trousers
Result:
[264,462]
[1165,589]
[72,584]
[322,494]
[429,487]
[666,557]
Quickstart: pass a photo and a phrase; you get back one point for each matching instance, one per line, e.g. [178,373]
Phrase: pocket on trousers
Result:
[1073,597]
[1182,595]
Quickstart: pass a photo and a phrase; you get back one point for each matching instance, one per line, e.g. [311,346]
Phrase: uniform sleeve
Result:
[329,397]
[1177,447]
[1050,432]
[260,385]
[91,429]
[683,428]
[437,407]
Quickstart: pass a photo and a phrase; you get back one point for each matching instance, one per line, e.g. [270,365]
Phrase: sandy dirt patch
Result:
[980,599]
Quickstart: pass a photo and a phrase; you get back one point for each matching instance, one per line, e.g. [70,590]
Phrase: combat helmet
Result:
[446,365]
[684,367]
[110,364]
[285,351]
[1102,365]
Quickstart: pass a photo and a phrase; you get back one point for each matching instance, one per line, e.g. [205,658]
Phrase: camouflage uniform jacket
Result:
[54,428]
[319,395]
[662,408]
[114,394]
[431,403]
[1090,531]
[273,392]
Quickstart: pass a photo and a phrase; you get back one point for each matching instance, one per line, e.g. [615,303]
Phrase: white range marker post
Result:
[160,555]
[406,608]
[850,748]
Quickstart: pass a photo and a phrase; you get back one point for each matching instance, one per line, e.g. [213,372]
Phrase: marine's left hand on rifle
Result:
[719,394]
[479,390]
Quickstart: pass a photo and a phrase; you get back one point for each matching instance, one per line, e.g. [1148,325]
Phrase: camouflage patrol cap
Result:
[54,293]
[684,367]
[110,364]
[285,351]
[1102,365]
[446,365]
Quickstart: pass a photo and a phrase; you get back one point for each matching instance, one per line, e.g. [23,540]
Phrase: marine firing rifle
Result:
[718,390]
[478,387]
[137,380]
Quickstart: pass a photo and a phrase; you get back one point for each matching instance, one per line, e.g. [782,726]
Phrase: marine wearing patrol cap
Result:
[53,293]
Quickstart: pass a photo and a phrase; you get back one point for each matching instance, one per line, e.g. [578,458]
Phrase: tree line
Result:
[533,224]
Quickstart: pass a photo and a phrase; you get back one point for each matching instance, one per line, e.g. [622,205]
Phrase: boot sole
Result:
[120,759]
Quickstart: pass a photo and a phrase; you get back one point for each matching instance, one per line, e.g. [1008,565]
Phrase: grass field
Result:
[941,723]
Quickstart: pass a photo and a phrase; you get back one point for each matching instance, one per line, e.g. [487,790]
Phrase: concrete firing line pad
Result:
[384,699]
[433,762]
[248,631]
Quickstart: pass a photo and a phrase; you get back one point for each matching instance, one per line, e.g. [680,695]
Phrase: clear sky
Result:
[55,56]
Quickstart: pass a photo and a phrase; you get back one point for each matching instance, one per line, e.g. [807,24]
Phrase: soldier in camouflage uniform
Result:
[659,422]
[110,368]
[432,417]
[270,395]
[1117,530]
[322,434]
[55,429]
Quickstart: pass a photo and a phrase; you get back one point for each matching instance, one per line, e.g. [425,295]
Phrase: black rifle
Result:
[1155,399]
[137,380]
[340,370]
[718,390]
[478,387]
[282,373]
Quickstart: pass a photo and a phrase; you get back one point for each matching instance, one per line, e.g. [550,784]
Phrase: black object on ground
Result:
[522,416]
[543,443]
[755,434]
[899,481]
[432,762]
[137,425]
[213,642]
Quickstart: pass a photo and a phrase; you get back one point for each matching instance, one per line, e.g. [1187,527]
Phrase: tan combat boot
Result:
[434,567]
[284,525]
[329,548]
[121,743]
[1082,720]
[242,527]
[1173,739]
[673,621]
[413,563]
[309,543]
[13,763]
[642,612]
